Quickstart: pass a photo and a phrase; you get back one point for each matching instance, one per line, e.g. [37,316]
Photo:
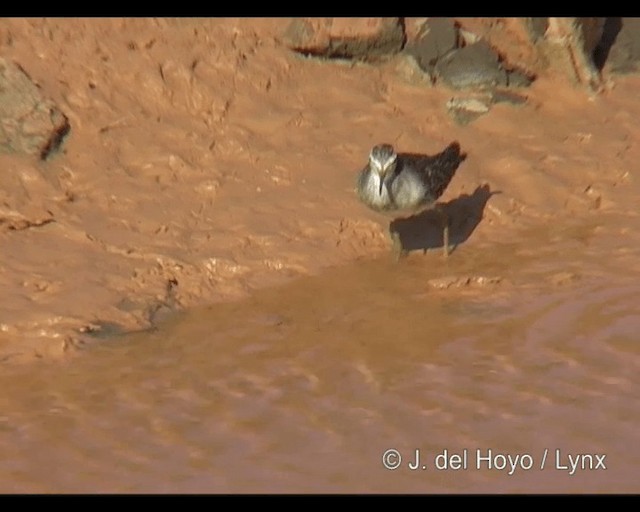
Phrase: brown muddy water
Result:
[520,377]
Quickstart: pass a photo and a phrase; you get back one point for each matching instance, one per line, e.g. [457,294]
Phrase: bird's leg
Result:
[397,250]
[445,229]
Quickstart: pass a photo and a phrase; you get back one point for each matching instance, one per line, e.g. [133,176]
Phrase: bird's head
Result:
[382,161]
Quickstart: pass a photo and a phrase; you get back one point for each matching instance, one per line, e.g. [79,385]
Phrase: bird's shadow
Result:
[424,230]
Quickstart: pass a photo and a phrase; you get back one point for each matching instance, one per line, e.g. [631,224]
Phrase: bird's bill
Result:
[385,180]
[386,176]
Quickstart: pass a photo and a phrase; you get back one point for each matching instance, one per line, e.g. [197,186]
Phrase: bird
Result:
[407,183]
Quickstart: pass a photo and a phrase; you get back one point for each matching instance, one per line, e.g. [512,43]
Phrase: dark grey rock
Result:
[436,38]
[365,39]
[517,78]
[475,66]
[29,123]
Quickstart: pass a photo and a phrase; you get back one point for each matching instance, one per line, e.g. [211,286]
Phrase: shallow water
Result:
[304,387]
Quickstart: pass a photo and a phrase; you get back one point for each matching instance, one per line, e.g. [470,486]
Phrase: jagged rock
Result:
[366,39]
[624,52]
[569,44]
[436,38]
[581,47]
[460,59]
[465,110]
[29,123]
[473,67]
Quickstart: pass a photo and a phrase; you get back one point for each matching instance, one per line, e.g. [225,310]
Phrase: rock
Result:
[475,66]
[461,59]
[465,110]
[624,52]
[29,123]
[536,28]
[517,78]
[581,47]
[436,38]
[502,96]
[366,39]
[569,44]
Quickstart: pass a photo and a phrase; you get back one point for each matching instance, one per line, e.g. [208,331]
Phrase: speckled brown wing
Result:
[438,170]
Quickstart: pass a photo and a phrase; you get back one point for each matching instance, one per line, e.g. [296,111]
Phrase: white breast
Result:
[372,196]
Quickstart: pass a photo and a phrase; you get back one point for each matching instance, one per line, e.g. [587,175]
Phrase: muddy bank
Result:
[208,160]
